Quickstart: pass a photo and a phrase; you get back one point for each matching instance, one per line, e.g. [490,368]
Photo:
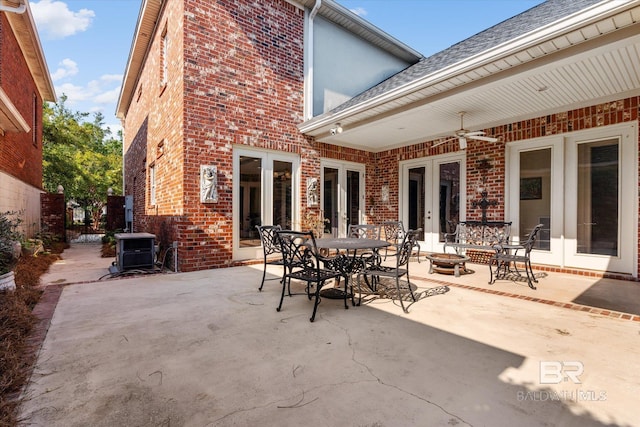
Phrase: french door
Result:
[583,187]
[265,192]
[431,191]
[342,195]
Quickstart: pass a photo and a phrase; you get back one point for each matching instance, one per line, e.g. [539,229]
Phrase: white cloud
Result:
[73,92]
[360,11]
[112,78]
[67,68]
[108,97]
[55,20]
[96,96]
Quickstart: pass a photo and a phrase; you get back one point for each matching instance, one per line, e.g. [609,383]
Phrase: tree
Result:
[81,155]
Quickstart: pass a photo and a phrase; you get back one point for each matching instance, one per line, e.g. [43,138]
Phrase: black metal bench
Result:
[478,235]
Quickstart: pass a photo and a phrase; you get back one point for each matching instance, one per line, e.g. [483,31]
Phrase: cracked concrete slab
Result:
[207,349]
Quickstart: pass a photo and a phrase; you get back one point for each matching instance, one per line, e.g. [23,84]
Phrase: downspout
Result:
[314,11]
[308,99]
[19,9]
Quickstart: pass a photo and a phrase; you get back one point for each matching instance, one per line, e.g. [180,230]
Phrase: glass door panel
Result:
[342,195]
[353,198]
[250,212]
[601,199]
[282,194]
[535,195]
[330,201]
[417,200]
[449,198]
[598,205]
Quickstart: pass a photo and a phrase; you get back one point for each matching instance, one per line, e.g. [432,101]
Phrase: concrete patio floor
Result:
[207,349]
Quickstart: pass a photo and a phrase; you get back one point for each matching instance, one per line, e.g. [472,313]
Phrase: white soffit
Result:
[10,118]
[595,63]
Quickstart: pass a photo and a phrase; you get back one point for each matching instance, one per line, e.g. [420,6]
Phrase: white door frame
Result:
[432,193]
[555,254]
[267,157]
[343,167]
[564,207]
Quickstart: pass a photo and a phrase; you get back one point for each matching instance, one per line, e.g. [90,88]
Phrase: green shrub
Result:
[9,234]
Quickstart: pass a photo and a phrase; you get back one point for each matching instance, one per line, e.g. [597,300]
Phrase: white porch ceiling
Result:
[576,70]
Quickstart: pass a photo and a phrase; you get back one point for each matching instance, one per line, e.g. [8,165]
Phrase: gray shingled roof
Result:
[536,17]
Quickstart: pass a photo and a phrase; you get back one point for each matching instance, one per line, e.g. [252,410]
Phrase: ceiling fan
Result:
[462,134]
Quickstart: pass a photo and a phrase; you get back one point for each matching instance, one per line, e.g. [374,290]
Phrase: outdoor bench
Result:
[477,235]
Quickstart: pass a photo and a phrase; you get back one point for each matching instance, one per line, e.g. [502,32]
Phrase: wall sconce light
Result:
[336,130]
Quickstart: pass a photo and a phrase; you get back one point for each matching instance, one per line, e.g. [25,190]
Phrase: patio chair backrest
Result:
[405,249]
[268,238]
[364,231]
[531,239]
[298,249]
[393,231]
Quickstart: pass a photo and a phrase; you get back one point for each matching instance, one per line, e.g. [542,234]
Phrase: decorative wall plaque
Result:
[384,193]
[313,193]
[208,184]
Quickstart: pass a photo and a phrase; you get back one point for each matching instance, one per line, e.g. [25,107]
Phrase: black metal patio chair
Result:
[270,249]
[397,271]
[393,233]
[507,256]
[366,231]
[302,261]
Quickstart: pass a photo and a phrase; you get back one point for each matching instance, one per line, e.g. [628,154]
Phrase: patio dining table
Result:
[350,262]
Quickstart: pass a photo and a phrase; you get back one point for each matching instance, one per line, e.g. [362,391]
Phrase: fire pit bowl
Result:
[447,263]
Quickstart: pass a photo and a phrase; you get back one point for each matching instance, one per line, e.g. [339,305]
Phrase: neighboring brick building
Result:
[24,85]
[281,99]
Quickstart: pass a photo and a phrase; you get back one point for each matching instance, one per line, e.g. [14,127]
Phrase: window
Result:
[34,126]
[152,185]
[164,60]
[160,149]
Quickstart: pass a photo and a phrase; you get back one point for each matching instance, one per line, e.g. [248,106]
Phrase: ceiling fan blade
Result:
[475,133]
[483,138]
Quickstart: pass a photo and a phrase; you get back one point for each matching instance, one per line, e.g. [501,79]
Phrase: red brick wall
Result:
[236,79]
[19,155]
[52,206]
[385,164]
[115,213]
[243,86]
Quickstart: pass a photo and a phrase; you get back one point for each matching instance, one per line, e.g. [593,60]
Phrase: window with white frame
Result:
[34,126]
[152,185]
[164,60]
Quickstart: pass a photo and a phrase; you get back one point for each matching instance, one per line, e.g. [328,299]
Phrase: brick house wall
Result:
[153,138]
[385,165]
[236,79]
[53,214]
[20,153]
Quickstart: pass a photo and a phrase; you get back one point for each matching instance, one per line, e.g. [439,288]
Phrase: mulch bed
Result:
[16,323]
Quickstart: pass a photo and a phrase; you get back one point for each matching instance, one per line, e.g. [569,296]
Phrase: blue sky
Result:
[87,42]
